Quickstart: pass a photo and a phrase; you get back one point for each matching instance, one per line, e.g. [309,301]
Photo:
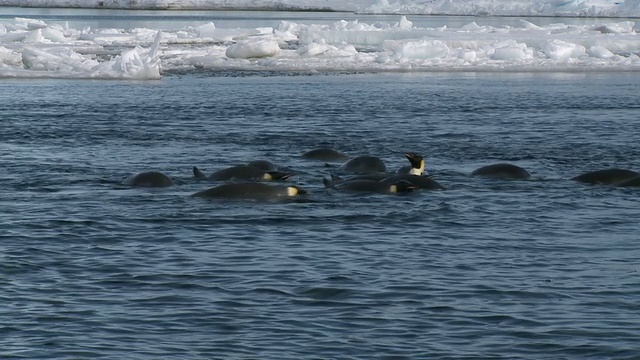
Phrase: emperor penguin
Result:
[251,191]
[502,171]
[424,182]
[372,186]
[325,154]
[263,165]
[417,165]
[634,182]
[149,179]
[364,164]
[607,177]
[242,172]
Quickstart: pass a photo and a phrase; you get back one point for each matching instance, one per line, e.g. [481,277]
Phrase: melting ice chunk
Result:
[253,48]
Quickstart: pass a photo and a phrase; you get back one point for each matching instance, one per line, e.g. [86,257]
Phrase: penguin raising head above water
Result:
[417,165]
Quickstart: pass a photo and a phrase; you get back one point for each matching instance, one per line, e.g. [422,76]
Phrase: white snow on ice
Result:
[35,48]
[608,8]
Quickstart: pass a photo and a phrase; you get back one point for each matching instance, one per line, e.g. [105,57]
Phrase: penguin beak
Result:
[410,156]
[302,191]
[414,159]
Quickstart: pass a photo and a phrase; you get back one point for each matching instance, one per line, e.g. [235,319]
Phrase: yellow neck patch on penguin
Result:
[418,171]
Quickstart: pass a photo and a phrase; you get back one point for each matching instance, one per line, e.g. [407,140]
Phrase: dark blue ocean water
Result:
[543,268]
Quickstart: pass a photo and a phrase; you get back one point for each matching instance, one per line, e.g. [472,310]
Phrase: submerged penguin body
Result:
[242,172]
[419,181]
[325,154]
[502,171]
[372,186]
[364,164]
[250,191]
[149,179]
[607,176]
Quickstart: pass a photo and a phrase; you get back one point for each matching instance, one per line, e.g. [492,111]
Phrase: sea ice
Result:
[253,48]
[34,48]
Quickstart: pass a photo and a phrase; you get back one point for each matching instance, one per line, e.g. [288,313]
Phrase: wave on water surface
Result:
[487,268]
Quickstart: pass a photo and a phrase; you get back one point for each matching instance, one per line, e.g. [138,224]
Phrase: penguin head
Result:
[275,175]
[417,163]
[402,186]
[295,191]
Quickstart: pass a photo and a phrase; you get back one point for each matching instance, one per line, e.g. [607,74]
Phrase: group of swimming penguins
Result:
[366,174]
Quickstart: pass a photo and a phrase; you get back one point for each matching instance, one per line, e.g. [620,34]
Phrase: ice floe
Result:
[35,48]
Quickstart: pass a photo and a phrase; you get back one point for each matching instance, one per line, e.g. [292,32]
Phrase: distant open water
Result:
[544,268]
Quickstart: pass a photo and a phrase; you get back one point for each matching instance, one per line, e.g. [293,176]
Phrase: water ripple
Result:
[485,269]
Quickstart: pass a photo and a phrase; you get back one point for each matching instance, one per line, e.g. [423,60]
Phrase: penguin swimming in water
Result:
[335,179]
[424,182]
[263,165]
[634,182]
[502,171]
[364,164]
[251,191]
[417,165]
[149,179]
[325,154]
[414,174]
[371,186]
[607,177]
[242,172]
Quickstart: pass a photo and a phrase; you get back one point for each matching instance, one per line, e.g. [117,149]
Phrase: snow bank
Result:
[274,5]
[33,48]
[582,8]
